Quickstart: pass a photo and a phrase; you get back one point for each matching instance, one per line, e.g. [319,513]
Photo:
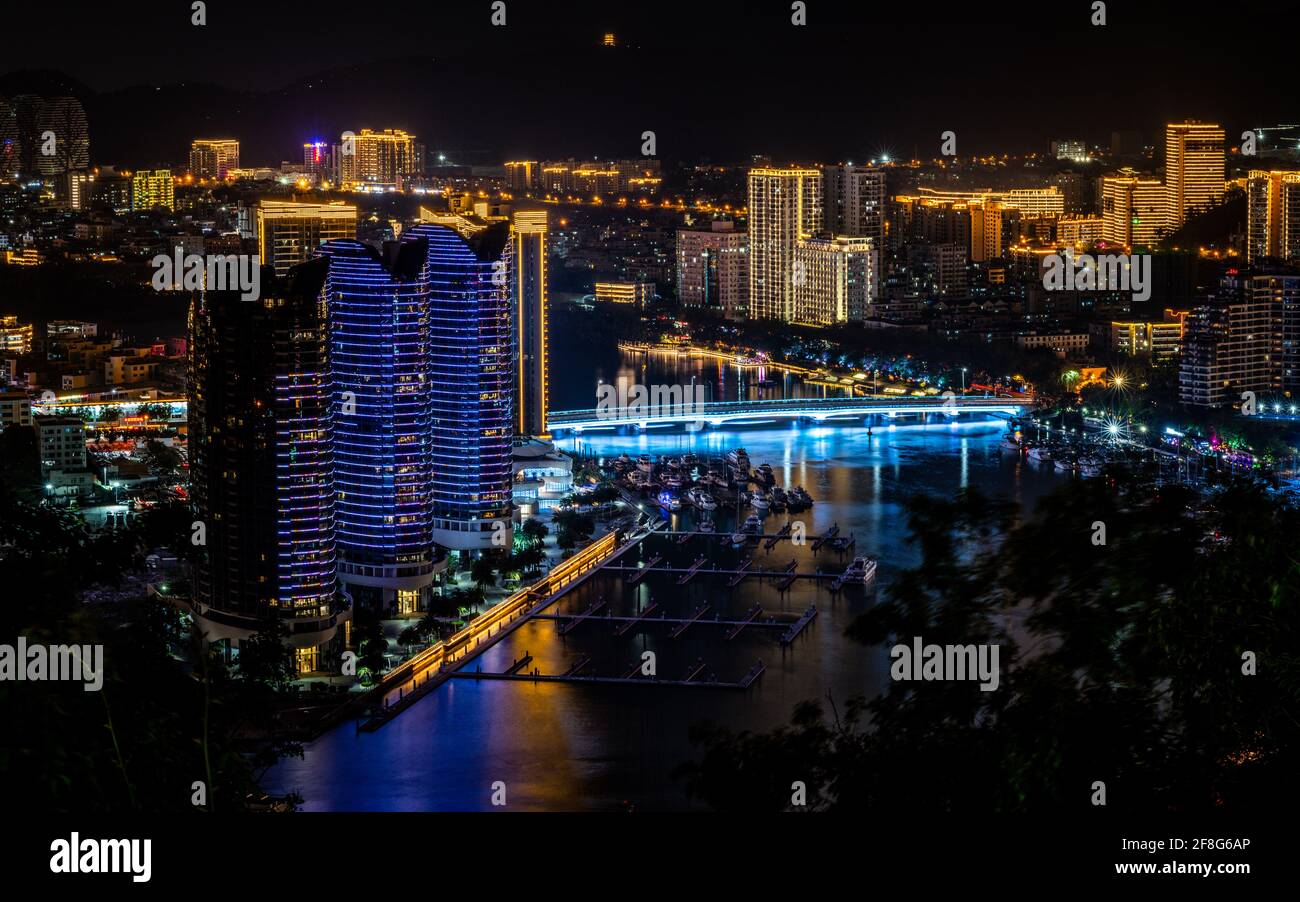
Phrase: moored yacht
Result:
[861,570]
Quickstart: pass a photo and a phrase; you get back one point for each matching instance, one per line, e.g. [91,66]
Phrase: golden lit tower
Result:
[531,296]
[785,205]
[288,233]
[1272,215]
[1193,169]
[212,158]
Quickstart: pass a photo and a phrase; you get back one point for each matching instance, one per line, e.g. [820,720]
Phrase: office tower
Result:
[213,158]
[713,269]
[784,206]
[1194,159]
[317,160]
[525,175]
[531,297]
[853,201]
[1133,210]
[834,280]
[381,158]
[261,464]
[288,233]
[379,344]
[1232,343]
[1272,215]
[152,188]
[471,357]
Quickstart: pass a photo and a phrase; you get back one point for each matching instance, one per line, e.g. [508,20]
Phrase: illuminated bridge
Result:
[815,410]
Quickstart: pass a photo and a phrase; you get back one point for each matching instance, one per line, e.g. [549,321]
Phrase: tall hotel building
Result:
[785,205]
[152,188]
[471,376]
[713,269]
[1194,159]
[836,280]
[288,233]
[530,313]
[371,157]
[212,158]
[1133,210]
[1272,215]
[382,404]
[524,175]
[318,159]
[261,465]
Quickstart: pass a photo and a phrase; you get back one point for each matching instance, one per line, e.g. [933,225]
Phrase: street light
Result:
[963,379]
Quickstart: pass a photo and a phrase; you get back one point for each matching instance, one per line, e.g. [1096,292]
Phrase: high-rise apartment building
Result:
[1194,160]
[370,157]
[713,269]
[213,158]
[470,271]
[1272,215]
[834,280]
[785,205]
[1232,343]
[261,465]
[288,233]
[152,188]
[531,297]
[382,410]
[318,161]
[854,201]
[524,175]
[1133,210]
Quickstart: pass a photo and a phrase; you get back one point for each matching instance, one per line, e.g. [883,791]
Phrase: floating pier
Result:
[637,577]
[686,624]
[799,625]
[591,609]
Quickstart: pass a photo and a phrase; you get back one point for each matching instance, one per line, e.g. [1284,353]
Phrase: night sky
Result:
[715,81]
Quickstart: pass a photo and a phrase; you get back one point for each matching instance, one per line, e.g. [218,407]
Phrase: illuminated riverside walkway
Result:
[817,410]
[413,678]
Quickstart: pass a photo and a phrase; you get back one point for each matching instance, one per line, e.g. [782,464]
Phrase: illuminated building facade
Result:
[785,205]
[382,398]
[15,337]
[151,189]
[834,280]
[318,160]
[261,465]
[288,233]
[1232,343]
[524,175]
[471,374]
[371,157]
[1272,215]
[713,269]
[638,293]
[1194,160]
[1158,340]
[1133,210]
[531,296]
[853,202]
[213,158]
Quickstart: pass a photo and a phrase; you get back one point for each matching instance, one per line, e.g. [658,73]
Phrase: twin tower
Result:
[356,424]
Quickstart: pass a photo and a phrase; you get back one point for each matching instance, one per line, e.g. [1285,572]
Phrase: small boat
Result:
[1009,443]
[702,499]
[753,523]
[645,464]
[1090,466]
[1040,453]
[861,570]
[764,474]
[1064,464]
[760,500]
[779,499]
[799,497]
[738,539]
[669,501]
[738,457]
[671,480]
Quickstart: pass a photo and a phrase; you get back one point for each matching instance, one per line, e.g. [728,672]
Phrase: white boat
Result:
[645,464]
[702,499]
[760,501]
[1040,454]
[738,539]
[1009,443]
[862,570]
[1064,464]
[1090,467]
[739,458]
[753,523]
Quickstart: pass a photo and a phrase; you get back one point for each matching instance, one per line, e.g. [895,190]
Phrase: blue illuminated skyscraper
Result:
[382,408]
[261,466]
[471,368]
